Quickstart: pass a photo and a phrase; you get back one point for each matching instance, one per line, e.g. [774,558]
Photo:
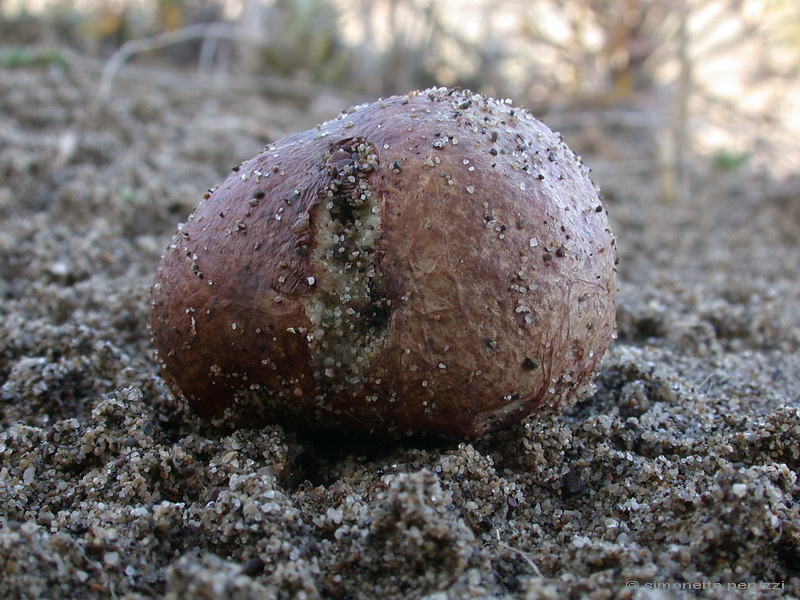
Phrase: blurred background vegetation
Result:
[645,86]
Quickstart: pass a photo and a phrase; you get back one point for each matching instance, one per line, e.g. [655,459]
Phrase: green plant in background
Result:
[26,56]
[303,37]
[128,196]
[727,160]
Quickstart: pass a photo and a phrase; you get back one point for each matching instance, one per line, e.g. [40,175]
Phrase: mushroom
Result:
[434,263]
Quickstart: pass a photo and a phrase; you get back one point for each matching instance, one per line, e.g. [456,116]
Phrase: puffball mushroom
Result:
[437,263]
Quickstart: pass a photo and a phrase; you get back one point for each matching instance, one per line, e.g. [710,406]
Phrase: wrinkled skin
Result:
[492,263]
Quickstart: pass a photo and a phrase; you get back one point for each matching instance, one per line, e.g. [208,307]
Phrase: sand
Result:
[675,476]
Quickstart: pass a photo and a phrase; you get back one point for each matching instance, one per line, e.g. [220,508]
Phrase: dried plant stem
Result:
[681,147]
[211,34]
[128,49]
[524,555]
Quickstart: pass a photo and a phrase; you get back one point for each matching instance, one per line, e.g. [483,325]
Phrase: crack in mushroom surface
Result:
[435,263]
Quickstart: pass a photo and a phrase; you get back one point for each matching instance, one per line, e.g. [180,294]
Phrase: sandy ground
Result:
[679,471]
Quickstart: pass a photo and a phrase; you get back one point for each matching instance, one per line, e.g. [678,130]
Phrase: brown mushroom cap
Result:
[437,262]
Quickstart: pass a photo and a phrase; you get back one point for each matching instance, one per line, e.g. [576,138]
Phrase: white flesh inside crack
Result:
[349,310]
